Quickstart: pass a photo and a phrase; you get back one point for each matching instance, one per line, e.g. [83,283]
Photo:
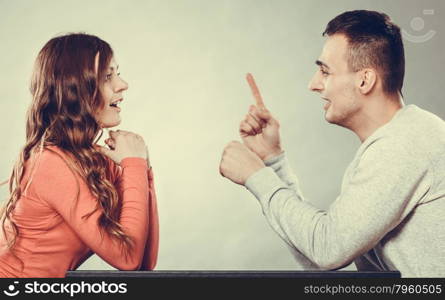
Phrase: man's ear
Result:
[366,80]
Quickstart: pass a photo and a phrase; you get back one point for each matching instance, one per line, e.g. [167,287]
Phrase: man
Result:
[390,214]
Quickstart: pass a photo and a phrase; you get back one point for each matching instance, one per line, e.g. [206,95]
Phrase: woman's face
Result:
[111,91]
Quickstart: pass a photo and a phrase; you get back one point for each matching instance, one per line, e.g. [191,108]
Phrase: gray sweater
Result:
[390,214]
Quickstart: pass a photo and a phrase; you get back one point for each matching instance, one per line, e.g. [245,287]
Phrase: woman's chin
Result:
[110,124]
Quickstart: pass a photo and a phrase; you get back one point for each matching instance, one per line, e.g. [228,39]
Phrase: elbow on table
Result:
[137,267]
[333,262]
[130,264]
[133,266]
[151,265]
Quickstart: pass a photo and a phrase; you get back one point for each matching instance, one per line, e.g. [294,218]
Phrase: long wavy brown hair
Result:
[65,100]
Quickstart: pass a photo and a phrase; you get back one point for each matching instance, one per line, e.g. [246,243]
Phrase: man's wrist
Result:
[253,172]
[258,165]
[273,154]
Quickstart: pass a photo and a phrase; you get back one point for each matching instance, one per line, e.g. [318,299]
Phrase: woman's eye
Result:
[108,77]
[119,74]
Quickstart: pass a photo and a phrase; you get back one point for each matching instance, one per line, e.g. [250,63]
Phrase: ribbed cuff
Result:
[274,160]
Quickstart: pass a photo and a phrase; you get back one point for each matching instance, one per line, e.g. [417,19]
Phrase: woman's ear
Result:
[366,80]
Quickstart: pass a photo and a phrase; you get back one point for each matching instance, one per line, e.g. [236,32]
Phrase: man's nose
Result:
[315,84]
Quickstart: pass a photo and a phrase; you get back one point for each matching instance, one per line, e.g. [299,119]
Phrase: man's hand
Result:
[260,130]
[238,163]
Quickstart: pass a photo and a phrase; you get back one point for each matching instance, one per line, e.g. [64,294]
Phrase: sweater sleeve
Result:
[385,186]
[282,168]
[280,165]
[70,197]
[152,245]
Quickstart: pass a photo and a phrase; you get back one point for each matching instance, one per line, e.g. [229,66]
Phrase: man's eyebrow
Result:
[321,64]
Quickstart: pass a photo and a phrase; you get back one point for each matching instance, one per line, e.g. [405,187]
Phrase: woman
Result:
[70,198]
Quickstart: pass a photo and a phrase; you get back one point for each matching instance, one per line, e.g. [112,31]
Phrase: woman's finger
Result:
[113,134]
[111,143]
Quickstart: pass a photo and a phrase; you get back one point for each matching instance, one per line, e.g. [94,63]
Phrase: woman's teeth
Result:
[116,103]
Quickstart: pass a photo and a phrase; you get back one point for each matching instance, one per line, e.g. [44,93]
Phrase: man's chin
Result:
[328,117]
[331,119]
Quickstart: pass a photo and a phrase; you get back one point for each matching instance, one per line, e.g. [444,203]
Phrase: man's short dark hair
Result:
[374,41]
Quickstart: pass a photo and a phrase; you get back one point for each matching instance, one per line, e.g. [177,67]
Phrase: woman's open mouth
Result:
[115,104]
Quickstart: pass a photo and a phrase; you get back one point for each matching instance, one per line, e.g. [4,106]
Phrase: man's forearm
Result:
[252,184]
[282,168]
[299,224]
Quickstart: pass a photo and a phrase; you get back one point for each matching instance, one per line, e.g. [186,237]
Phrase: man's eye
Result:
[324,72]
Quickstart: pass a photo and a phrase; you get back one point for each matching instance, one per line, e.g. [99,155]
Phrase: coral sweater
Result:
[53,236]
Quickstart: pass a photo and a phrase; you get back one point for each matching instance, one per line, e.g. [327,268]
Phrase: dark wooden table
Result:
[231,274]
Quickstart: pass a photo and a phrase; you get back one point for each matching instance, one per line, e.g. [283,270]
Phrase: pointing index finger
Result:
[255,91]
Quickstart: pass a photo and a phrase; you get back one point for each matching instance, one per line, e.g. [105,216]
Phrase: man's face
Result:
[335,82]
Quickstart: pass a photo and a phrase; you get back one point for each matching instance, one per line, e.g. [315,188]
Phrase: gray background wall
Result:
[185,62]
